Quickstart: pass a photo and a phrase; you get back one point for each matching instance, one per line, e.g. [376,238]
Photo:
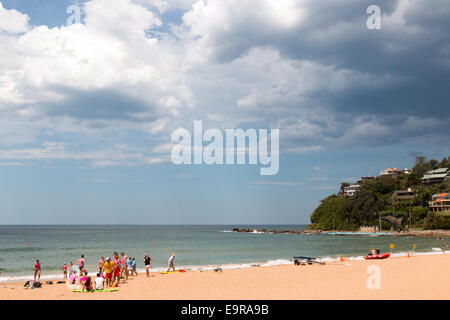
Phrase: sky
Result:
[87,109]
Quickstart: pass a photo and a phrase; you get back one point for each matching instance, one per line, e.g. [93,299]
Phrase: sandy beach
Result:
[418,277]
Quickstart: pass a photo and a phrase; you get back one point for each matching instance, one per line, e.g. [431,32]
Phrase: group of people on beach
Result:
[110,270]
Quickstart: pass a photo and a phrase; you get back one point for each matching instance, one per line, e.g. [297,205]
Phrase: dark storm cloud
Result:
[408,61]
[334,33]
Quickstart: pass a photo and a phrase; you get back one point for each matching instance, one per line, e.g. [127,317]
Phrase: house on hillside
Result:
[440,202]
[393,172]
[351,190]
[400,197]
[435,176]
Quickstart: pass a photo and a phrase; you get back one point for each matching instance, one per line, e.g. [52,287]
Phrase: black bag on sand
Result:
[36,284]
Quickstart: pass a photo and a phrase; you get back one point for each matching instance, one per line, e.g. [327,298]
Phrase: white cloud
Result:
[218,23]
[118,155]
[109,52]
[12,21]
[156,160]
[119,18]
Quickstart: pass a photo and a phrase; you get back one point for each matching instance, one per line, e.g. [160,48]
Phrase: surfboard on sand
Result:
[176,271]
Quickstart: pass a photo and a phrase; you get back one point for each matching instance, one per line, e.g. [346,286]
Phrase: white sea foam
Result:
[269,263]
[257,232]
[277,262]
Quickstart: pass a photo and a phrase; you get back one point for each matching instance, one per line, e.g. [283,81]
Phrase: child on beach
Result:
[70,268]
[170,262]
[83,277]
[37,270]
[129,267]
[100,263]
[88,285]
[64,268]
[99,282]
[133,266]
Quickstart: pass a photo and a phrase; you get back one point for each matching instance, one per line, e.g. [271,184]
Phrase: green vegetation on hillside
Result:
[372,204]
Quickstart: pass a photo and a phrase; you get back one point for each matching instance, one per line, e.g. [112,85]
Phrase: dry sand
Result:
[419,277]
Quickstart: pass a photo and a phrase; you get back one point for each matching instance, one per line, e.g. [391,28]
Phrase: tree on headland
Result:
[422,165]
[372,204]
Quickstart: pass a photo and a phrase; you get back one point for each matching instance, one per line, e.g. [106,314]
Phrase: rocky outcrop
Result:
[274,231]
[393,220]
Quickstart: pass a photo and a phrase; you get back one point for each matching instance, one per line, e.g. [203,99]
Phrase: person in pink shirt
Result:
[83,278]
[81,263]
[37,270]
[117,268]
[64,268]
[124,265]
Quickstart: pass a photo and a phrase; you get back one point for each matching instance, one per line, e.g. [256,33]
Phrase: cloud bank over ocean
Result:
[109,91]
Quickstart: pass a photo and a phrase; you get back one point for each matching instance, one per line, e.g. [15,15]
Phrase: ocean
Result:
[198,247]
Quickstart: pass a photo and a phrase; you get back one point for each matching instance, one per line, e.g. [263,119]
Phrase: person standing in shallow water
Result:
[37,270]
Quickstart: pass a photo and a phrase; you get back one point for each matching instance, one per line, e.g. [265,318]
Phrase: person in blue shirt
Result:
[133,266]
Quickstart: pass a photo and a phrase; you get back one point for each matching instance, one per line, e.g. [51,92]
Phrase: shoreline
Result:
[422,276]
[226,266]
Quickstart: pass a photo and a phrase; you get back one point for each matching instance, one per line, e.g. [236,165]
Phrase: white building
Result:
[391,172]
[351,190]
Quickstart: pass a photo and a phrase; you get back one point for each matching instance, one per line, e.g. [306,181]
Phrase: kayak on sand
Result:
[378,256]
